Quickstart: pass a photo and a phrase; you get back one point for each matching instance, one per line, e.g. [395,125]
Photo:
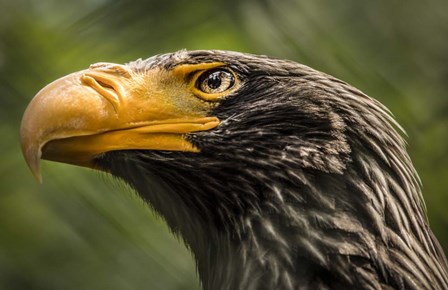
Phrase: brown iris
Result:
[215,81]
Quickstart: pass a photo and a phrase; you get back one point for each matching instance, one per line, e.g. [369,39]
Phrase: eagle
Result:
[275,175]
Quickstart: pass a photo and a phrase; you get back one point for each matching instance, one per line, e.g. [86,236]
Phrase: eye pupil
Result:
[214,80]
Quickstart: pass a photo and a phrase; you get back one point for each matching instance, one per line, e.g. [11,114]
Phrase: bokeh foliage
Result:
[84,230]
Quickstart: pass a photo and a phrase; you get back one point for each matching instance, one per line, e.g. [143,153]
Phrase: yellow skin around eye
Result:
[198,70]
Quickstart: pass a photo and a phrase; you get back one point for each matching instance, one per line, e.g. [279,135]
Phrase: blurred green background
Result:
[83,230]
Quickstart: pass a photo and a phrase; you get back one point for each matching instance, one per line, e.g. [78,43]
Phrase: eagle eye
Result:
[215,81]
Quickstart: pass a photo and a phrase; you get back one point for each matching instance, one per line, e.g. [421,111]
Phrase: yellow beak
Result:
[110,107]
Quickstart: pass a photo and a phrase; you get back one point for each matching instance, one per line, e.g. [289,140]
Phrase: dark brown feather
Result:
[306,184]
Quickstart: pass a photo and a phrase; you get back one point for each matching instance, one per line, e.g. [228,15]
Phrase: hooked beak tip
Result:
[32,158]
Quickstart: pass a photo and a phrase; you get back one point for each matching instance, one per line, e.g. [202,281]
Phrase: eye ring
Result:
[215,81]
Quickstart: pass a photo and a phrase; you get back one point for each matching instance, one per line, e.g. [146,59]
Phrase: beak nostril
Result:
[104,87]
